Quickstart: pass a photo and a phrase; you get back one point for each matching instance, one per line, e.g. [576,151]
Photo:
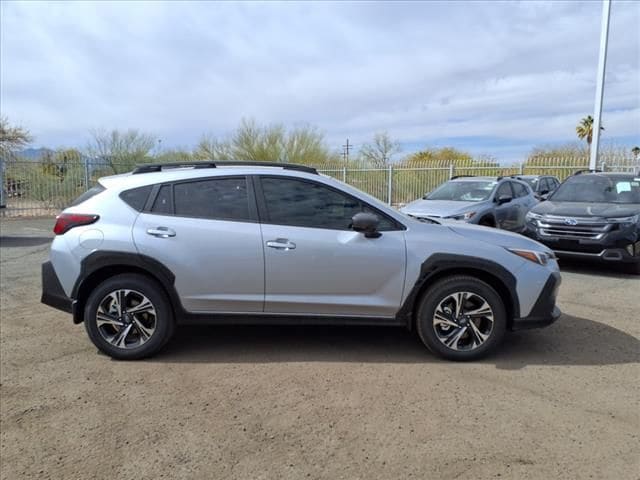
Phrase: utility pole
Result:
[602,65]
[345,151]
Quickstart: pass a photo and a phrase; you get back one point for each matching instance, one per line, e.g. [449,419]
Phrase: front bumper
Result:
[620,246]
[544,311]
[52,291]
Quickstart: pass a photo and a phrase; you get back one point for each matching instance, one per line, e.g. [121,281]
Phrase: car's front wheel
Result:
[461,318]
[128,317]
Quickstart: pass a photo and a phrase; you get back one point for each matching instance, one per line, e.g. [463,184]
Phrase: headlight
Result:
[629,220]
[462,216]
[530,216]
[541,258]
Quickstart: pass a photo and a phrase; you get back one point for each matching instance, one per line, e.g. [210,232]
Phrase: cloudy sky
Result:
[492,77]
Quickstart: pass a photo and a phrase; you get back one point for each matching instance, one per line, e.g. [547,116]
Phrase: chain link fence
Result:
[37,189]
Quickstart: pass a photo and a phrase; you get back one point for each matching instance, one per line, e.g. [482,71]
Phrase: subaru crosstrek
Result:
[278,243]
[500,202]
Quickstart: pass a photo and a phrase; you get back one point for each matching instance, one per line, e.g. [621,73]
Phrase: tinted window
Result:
[519,189]
[504,189]
[220,198]
[163,204]
[543,185]
[87,195]
[307,204]
[136,197]
[463,191]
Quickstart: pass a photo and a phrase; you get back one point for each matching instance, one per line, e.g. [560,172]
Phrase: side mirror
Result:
[544,192]
[543,197]
[366,223]
[504,199]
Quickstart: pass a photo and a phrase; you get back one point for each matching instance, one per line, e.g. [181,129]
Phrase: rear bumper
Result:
[545,311]
[52,291]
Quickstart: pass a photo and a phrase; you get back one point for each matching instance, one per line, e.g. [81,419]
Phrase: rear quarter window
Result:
[136,198]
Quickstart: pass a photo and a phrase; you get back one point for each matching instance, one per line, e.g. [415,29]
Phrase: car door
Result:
[505,213]
[315,264]
[523,201]
[206,232]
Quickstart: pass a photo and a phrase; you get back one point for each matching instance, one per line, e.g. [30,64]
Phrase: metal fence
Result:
[33,188]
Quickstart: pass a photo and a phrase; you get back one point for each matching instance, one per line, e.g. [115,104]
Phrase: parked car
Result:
[263,243]
[592,215]
[500,202]
[542,185]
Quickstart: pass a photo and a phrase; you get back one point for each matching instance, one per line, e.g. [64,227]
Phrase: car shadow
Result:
[19,241]
[570,341]
[613,270]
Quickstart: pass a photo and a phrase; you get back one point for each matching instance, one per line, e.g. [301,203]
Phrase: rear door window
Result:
[216,199]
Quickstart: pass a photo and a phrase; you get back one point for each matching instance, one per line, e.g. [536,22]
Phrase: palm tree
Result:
[585,129]
[636,152]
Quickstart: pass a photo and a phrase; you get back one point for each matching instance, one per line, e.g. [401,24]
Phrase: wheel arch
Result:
[440,266]
[99,266]
[488,217]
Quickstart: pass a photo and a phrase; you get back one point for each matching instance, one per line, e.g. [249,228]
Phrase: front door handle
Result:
[161,232]
[281,244]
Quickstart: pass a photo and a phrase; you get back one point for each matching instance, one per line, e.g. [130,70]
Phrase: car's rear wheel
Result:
[461,318]
[128,317]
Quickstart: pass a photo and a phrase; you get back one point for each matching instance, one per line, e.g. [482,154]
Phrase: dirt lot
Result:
[282,402]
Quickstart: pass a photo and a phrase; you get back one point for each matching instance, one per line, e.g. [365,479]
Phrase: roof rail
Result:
[586,170]
[158,167]
[460,176]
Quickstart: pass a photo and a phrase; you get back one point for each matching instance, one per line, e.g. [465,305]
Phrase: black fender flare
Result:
[443,264]
[112,262]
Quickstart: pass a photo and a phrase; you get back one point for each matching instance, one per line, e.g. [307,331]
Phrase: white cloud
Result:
[519,74]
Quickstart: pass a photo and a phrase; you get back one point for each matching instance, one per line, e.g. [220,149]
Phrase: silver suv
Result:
[240,242]
[500,202]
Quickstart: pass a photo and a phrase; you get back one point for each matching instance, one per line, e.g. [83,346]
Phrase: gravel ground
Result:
[294,402]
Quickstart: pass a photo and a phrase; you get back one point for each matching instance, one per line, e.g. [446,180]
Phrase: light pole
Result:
[602,65]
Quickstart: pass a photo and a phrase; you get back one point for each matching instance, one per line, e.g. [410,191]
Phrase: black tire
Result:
[163,321]
[440,292]
[633,268]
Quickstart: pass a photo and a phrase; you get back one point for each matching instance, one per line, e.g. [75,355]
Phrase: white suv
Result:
[242,242]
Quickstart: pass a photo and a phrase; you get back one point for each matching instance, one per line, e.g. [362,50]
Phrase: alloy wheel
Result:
[463,321]
[126,318]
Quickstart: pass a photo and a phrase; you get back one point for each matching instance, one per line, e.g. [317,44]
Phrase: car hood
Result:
[583,209]
[495,236]
[437,208]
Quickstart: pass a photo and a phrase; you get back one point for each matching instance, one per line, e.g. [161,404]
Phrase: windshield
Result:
[465,191]
[531,181]
[599,189]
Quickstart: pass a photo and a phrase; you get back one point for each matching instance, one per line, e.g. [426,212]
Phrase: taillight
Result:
[67,221]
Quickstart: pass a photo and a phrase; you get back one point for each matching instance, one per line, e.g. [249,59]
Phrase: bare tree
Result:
[210,148]
[379,153]
[121,151]
[12,138]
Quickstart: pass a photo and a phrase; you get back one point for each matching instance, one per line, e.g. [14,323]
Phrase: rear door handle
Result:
[281,244]
[161,232]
